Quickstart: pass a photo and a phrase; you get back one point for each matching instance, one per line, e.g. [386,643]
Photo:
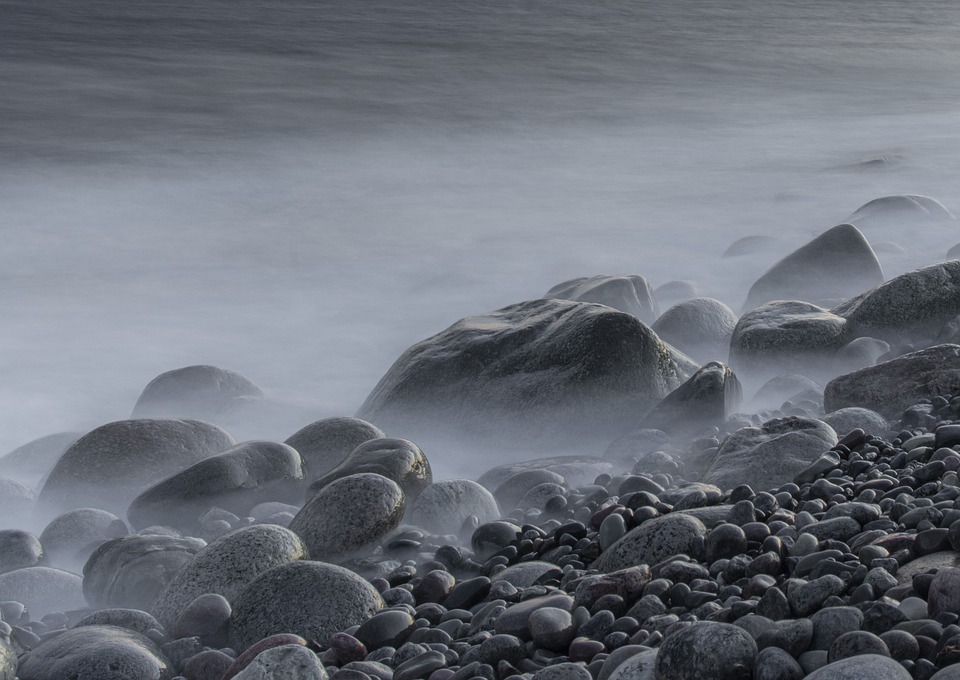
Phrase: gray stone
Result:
[525,574]
[226,566]
[575,470]
[43,590]
[859,353]
[755,244]
[845,419]
[236,480]
[552,628]
[780,388]
[653,541]
[18,550]
[639,666]
[944,594]
[672,292]
[95,652]
[862,667]
[443,507]
[131,619]
[310,599]
[542,372]
[701,328]
[787,336]
[396,459]
[200,392]
[420,667]
[509,493]
[325,443]
[348,515]
[807,598]
[563,671]
[108,467]
[130,572]
[912,306]
[30,462]
[902,210]
[17,501]
[892,386]
[768,456]
[70,538]
[516,619]
[774,663]
[537,497]
[836,265]
[288,662]
[8,662]
[856,643]
[705,400]
[630,294]
[206,618]
[707,651]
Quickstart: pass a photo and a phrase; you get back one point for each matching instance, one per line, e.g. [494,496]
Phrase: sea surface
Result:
[298,191]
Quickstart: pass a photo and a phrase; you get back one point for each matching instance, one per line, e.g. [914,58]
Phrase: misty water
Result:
[298,191]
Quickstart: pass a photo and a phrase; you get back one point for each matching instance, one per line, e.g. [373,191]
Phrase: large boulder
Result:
[755,244]
[705,400]
[30,462]
[836,265]
[236,480]
[902,210]
[445,506]
[707,651]
[911,307]
[862,667]
[631,294]
[348,515]
[890,387]
[17,501]
[108,467]
[325,443]
[543,371]
[200,392]
[95,653]
[314,600]
[700,328]
[19,549]
[396,459]
[226,566]
[786,336]
[69,539]
[43,590]
[130,572]
[653,541]
[768,456]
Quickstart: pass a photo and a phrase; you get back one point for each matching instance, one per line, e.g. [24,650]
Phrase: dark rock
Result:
[653,541]
[855,643]
[208,665]
[706,399]
[707,651]
[388,628]
[630,294]
[69,536]
[399,460]
[774,663]
[516,619]
[18,550]
[206,618]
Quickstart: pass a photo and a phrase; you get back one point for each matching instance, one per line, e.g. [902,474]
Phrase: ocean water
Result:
[298,191]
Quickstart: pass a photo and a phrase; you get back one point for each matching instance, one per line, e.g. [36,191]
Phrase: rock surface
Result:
[630,294]
[69,539]
[706,399]
[325,443]
[399,460]
[43,590]
[654,540]
[200,392]
[443,507]
[30,462]
[701,328]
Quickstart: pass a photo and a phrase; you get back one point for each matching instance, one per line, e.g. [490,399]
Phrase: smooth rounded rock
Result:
[443,507]
[31,461]
[289,662]
[70,538]
[631,294]
[18,550]
[654,541]
[563,671]
[862,667]
[641,666]
[700,327]
[552,628]
[707,651]
[846,419]
[132,619]
[312,599]
[43,590]
[509,492]
[206,618]
[944,595]
[398,460]
[325,443]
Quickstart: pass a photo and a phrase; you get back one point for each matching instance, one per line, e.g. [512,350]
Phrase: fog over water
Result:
[298,191]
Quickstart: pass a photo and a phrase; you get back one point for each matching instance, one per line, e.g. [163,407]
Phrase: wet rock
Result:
[707,651]
[700,328]
[443,507]
[774,663]
[944,594]
[526,574]
[638,667]
[312,599]
[325,443]
[399,460]
[348,515]
[289,662]
[630,294]
[17,501]
[200,392]
[706,399]
[552,628]
[236,480]
[856,643]
[563,671]
[653,541]
[539,371]
[43,590]
[108,467]
[207,665]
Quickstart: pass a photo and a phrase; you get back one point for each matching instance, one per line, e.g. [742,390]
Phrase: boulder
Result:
[130,572]
[43,590]
[701,328]
[396,459]
[653,541]
[859,353]
[515,487]
[95,652]
[325,443]
[576,470]
[18,550]
[630,294]
[8,662]
[17,501]
[707,651]
[543,371]
[70,538]
[705,400]
[672,292]
[903,210]
[786,336]
[861,667]
[845,419]
[781,388]
[236,480]
[131,619]
[348,515]
[312,599]
[836,265]
[30,462]
[768,456]
[755,244]
[911,307]
[226,566]
[293,662]
[108,467]
[445,506]
[890,387]
[200,392]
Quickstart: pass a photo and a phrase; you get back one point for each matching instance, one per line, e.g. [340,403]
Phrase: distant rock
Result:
[653,541]
[312,599]
[348,515]
[954,252]
[859,353]
[630,294]
[890,387]
[443,507]
[70,538]
[781,388]
[576,470]
[845,419]
[509,493]
[108,467]
[705,400]
[18,550]
[768,456]
[236,480]
[200,392]
[755,244]
[903,209]
[707,651]
[130,572]
[543,371]
[396,459]
[700,328]
[43,590]
[101,652]
[836,265]
[17,501]
[627,449]
[786,336]
[226,566]
[324,444]
[672,292]
[34,459]
[912,306]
